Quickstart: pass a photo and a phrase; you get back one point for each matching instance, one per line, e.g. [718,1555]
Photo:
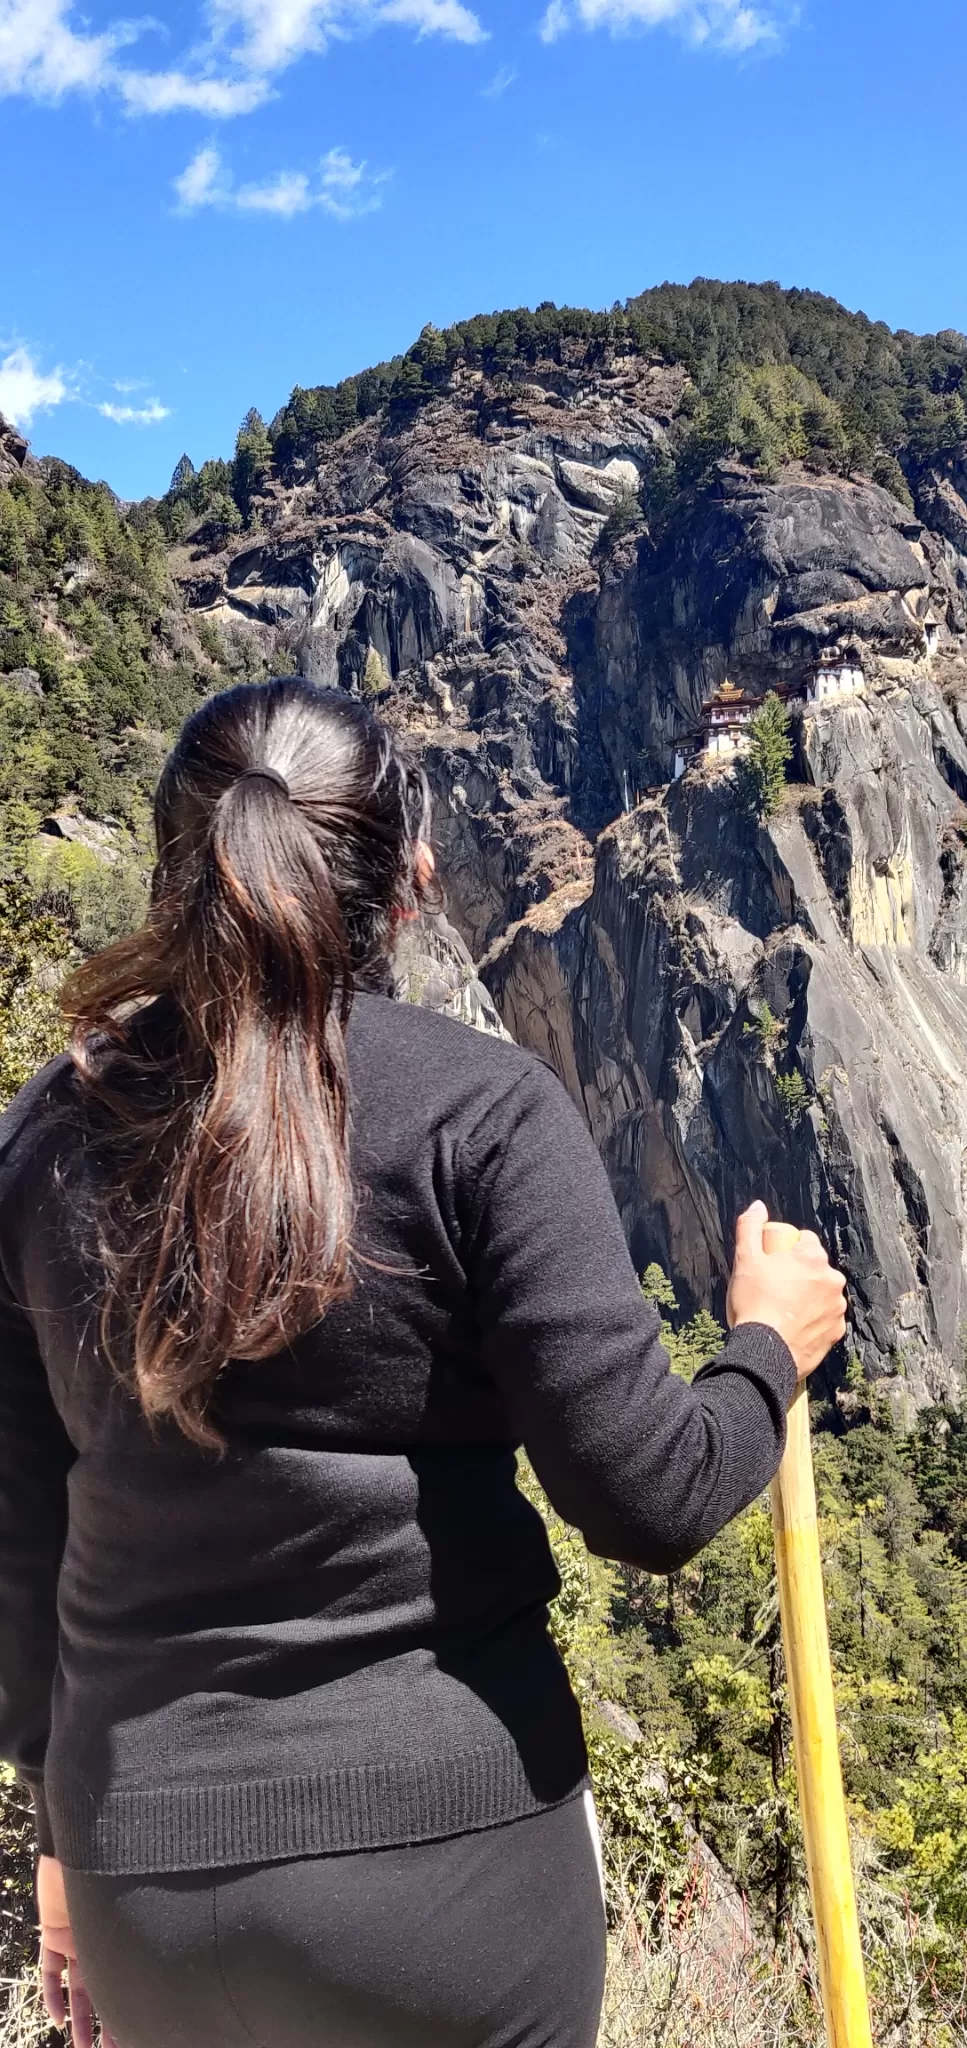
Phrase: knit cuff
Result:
[758,1351]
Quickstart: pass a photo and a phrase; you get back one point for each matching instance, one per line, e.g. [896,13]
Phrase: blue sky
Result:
[223,198]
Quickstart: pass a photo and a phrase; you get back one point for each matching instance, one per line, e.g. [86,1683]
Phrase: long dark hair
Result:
[288,822]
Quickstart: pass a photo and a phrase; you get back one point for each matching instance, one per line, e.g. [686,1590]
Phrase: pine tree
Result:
[761,773]
[253,460]
[885,471]
[432,351]
[222,511]
[505,342]
[345,406]
[408,384]
[376,677]
[624,517]
[182,476]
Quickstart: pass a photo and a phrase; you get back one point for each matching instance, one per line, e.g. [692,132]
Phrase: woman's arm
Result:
[649,1468]
[35,1457]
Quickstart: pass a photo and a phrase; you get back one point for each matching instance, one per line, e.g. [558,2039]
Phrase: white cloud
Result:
[136,416]
[721,24]
[349,190]
[46,49]
[747,28]
[500,83]
[267,35]
[434,18]
[339,172]
[41,55]
[287,194]
[26,390]
[170,92]
[201,182]
[344,189]
[556,21]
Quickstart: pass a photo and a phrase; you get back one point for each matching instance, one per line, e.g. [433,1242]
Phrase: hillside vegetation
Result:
[97,664]
[98,668]
[775,376]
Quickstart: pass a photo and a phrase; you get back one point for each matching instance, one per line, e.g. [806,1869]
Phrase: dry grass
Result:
[669,1991]
[23,2022]
[681,1977]
[691,1970]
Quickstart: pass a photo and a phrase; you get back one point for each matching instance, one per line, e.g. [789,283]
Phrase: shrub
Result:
[793,1096]
[376,677]
[625,517]
[33,946]
[767,1029]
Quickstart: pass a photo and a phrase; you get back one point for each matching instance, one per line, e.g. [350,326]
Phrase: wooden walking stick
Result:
[802,1606]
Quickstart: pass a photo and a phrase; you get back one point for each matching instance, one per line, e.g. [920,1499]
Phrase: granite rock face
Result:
[764,1014]
[756,578]
[741,1010]
[432,967]
[14,452]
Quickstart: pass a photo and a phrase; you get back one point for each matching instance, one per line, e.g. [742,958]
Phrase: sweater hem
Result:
[318,1813]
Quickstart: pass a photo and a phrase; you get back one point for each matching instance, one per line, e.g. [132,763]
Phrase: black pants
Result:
[491,1940]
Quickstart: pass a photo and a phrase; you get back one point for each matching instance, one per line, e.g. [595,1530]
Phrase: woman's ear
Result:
[424,866]
[424,869]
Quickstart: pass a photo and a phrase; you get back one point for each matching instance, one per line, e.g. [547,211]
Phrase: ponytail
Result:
[288,825]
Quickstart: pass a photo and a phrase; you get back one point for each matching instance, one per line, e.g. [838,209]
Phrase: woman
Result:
[289,1271]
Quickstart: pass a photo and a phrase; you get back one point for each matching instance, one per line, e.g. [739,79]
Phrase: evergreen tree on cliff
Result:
[761,773]
[253,460]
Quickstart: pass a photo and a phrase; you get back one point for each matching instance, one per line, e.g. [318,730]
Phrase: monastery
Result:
[728,713]
[837,675]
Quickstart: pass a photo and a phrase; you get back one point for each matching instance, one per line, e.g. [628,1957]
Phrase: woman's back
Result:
[302,1630]
[333,1633]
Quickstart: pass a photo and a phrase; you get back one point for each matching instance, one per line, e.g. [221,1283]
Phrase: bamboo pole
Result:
[809,1674]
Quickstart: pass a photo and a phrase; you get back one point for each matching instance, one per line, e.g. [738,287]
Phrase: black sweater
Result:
[335,1635]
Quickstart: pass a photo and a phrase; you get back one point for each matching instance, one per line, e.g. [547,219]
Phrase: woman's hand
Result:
[57,1955]
[798,1293]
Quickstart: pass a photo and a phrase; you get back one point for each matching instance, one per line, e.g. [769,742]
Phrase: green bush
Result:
[625,517]
[376,676]
[793,1096]
[97,901]
[34,947]
[768,1030]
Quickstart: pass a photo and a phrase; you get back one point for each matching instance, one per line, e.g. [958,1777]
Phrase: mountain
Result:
[540,544]
[541,566]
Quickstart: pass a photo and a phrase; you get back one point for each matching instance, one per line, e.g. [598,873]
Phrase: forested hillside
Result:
[98,667]
[773,376]
[536,541]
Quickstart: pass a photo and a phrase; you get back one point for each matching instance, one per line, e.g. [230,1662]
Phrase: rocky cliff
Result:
[777,1009]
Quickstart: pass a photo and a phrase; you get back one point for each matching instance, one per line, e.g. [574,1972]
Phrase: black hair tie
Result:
[265,775]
